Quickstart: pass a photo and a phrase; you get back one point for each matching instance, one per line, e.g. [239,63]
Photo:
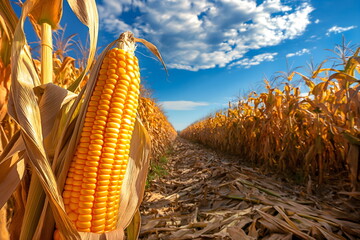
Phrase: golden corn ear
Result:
[92,189]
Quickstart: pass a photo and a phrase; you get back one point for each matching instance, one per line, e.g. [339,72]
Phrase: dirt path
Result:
[209,196]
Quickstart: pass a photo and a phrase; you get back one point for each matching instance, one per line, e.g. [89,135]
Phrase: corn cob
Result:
[92,188]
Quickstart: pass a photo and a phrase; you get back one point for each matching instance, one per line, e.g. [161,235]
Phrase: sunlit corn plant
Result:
[314,134]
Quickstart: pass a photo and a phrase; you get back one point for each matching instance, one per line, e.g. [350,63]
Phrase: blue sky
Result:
[218,50]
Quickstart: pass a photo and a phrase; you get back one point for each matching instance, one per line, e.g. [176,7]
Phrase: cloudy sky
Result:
[218,50]
[203,34]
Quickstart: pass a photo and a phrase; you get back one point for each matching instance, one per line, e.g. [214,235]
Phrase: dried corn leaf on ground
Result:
[209,195]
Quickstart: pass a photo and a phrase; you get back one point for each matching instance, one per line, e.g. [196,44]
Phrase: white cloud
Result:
[298,53]
[256,60]
[182,105]
[317,21]
[202,34]
[335,29]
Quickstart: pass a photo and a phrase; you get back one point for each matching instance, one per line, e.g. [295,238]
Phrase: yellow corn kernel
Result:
[95,176]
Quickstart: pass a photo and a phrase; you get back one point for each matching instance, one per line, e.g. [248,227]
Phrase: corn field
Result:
[313,133]
[78,134]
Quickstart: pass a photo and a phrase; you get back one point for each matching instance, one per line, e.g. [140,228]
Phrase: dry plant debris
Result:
[208,195]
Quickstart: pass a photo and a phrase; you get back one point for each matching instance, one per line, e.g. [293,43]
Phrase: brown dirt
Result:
[208,195]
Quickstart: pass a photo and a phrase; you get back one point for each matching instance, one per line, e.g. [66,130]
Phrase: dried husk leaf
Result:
[65,148]
[51,99]
[153,49]
[33,207]
[353,63]
[12,170]
[14,146]
[4,93]
[4,89]
[11,173]
[86,11]
[133,187]
[60,142]
[133,230]
[54,107]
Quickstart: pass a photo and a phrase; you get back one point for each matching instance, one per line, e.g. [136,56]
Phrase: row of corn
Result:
[161,132]
[313,133]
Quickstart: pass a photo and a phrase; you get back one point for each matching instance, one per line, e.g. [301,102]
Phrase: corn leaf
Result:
[352,63]
[8,15]
[153,49]
[11,173]
[132,190]
[24,109]
[87,13]
[8,21]
[14,146]
[52,98]
[11,170]
[133,230]
[58,100]
[344,79]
